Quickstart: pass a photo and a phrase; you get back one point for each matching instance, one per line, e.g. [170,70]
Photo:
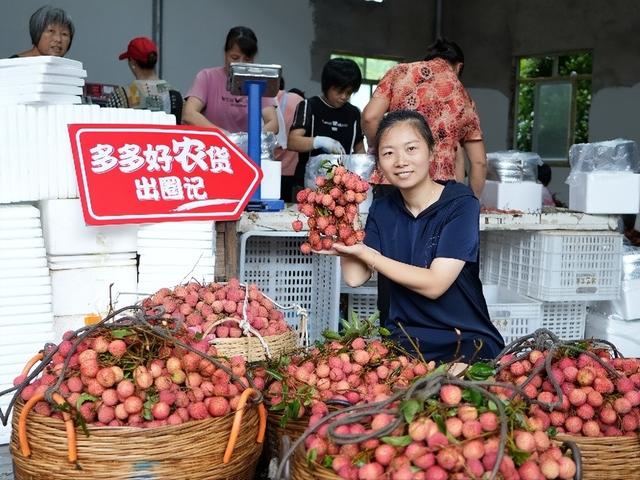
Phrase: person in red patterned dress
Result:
[432,87]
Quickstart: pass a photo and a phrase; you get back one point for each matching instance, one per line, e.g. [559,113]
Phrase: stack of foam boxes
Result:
[175,252]
[92,268]
[618,321]
[563,270]
[26,317]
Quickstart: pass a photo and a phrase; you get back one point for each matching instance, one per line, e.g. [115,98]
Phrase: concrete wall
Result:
[194,34]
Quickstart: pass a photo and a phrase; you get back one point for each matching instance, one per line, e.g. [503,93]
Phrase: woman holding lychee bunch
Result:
[424,238]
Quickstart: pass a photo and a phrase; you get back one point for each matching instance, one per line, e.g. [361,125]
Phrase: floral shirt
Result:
[432,88]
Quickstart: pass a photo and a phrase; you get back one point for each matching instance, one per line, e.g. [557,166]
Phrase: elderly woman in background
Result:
[51,31]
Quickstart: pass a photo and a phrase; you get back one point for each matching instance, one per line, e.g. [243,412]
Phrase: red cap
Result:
[139,49]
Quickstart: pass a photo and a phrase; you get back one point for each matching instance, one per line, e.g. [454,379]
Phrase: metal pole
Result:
[156,29]
[255,90]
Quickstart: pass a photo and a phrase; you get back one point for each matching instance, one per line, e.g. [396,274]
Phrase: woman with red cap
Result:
[147,90]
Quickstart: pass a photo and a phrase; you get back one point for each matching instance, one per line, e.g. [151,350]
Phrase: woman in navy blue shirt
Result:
[424,238]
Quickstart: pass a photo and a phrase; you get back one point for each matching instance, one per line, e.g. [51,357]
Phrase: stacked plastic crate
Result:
[273,260]
[562,269]
[26,317]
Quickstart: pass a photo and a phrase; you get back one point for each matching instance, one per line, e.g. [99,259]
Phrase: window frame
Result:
[555,77]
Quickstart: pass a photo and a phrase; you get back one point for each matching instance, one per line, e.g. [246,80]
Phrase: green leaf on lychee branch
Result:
[480,371]
[519,456]
[397,441]
[121,333]
[85,397]
[437,417]
[312,455]
[327,462]
[472,396]
[410,408]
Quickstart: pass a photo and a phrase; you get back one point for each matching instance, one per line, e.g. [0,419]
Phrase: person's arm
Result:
[270,119]
[372,116]
[478,165]
[460,164]
[192,113]
[360,261]
[298,142]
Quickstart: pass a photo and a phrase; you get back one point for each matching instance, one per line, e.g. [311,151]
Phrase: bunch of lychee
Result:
[110,385]
[360,371]
[332,209]
[598,395]
[448,439]
[204,308]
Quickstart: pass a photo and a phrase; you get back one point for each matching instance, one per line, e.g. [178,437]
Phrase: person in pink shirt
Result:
[210,104]
[286,109]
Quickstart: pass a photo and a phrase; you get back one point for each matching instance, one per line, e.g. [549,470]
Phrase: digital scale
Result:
[256,80]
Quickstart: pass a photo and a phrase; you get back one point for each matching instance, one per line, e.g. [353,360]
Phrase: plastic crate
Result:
[556,265]
[514,315]
[273,261]
[363,304]
[565,319]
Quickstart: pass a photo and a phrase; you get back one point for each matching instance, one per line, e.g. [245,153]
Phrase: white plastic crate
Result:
[513,315]
[556,265]
[273,261]
[362,304]
[565,319]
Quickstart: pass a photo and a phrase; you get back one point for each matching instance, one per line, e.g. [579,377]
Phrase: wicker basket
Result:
[302,470]
[193,450]
[293,429]
[607,458]
[252,349]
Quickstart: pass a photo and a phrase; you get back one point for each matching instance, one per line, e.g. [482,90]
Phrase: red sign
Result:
[160,173]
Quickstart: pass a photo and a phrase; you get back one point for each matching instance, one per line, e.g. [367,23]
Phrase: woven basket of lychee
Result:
[348,368]
[236,318]
[135,396]
[441,427]
[332,209]
[586,392]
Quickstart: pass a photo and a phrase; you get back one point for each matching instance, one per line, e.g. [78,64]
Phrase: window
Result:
[553,96]
[372,69]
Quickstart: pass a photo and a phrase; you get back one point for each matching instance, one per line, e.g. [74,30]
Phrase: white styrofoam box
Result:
[40,99]
[627,307]
[26,298]
[12,63]
[176,227]
[145,234]
[605,192]
[33,245]
[41,88]
[556,266]
[66,233]
[565,319]
[24,273]
[24,309]
[523,196]
[11,213]
[27,320]
[624,335]
[39,78]
[41,337]
[83,287]
[273,261]
[176,243]
[20,286]
[514,315]
[271,179]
